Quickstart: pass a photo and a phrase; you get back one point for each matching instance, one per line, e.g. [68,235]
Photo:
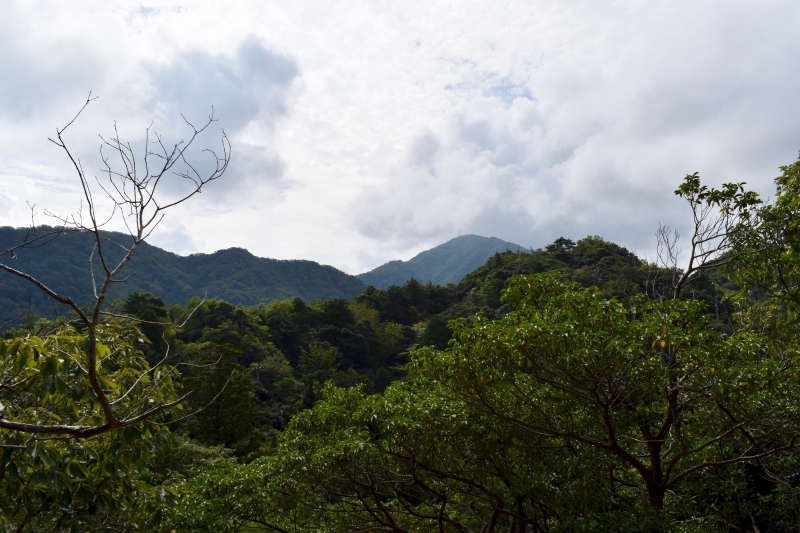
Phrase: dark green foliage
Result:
[560,248]
[409,303]
[220,323]
[225,396]
[317,364]
[353,345]
[275,358]
[63,483]
[185,456]
[571,413]
[288,323]
[446,263]
[592,262]
[336,313]
[352,378]
[436,333]
[234,275]
[397,306]
[275,403]
[148,308]
[254,368]
[382,379]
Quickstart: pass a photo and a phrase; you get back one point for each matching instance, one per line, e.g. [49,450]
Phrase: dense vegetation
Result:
[443,264]
[233,275]
[560,389]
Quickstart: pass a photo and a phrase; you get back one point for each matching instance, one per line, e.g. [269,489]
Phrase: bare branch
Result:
[206,406]
[129,188]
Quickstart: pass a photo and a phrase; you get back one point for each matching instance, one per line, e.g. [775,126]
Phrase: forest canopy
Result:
[558,389]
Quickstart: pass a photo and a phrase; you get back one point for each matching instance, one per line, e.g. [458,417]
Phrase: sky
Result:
[368,131]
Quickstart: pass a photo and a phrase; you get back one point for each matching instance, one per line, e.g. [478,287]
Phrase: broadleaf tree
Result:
[86,387]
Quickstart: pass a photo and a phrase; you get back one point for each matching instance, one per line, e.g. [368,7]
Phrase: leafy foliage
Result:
[570,413]
[560,390]
[63,480]
[662,395]
[770,250]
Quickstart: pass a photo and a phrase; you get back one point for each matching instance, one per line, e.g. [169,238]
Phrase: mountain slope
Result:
[446,263]
[234,275]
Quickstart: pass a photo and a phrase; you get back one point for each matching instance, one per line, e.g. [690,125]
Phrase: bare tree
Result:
[131,187]
[717,216]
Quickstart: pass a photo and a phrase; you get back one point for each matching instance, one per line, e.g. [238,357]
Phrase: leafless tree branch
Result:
[129,190]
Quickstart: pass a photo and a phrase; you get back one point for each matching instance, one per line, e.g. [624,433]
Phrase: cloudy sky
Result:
[367,131]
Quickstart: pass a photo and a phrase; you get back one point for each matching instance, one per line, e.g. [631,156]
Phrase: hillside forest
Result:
[576,387]
[233,275]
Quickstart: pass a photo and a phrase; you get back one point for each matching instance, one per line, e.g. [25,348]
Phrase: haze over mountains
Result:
[443,264]
[234,275]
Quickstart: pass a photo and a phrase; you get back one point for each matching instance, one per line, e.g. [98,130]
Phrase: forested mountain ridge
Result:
[265,365]
[446,263]
[575,387]
[233,275]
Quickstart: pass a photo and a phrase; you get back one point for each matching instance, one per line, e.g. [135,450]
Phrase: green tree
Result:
[436,333]
[225,398]
[768,251]
[720,218]
[131,196]
[59,483]
[652,390]
[560,248]
[571,413]
[356,462]
[337,313]
[317,366]
[153,315]
[82,404]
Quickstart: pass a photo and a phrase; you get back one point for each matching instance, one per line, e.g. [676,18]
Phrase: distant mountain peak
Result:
[447,263]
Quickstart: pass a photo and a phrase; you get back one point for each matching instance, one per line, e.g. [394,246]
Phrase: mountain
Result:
[446,263]
[234,275]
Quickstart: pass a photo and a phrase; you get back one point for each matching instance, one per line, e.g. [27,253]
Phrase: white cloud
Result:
[249,96]
[369,131]
[175,237]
